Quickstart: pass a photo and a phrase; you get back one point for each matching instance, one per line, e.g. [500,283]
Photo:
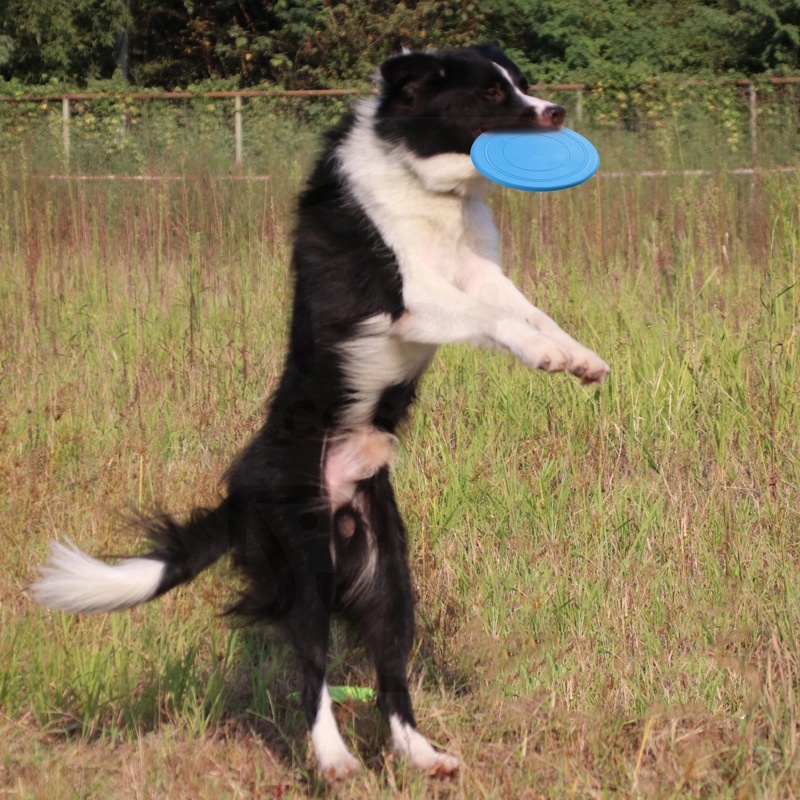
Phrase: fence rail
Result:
[237,96]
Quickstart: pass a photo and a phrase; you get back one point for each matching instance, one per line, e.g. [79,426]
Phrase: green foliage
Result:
[600,39]
[6,48]
[323,43]
[297,43]
[774,33]
[59,40]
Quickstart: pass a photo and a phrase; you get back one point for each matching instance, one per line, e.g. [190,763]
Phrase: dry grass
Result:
[607,579]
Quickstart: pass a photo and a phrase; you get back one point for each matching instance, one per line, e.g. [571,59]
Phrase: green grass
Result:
[607,578]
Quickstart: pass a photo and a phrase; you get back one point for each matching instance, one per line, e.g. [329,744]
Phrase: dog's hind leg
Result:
[383,612]
[309,629]
[287,555]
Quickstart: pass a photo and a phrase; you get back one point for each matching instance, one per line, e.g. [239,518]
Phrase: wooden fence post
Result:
[752,96]
[65,126]
[237,120]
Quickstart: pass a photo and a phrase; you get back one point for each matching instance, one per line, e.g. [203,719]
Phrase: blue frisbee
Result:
[536,161]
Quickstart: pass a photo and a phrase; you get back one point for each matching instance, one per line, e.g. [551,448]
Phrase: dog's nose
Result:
[553,116]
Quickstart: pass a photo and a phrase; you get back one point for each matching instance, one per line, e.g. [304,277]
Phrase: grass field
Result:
[608,579]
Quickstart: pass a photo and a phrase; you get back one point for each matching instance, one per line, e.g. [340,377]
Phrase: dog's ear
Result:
[403,76]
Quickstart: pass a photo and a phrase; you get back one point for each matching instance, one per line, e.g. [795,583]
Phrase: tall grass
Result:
[607,578]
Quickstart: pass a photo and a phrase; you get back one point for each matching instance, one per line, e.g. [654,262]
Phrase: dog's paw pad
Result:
[589,367]
[595,374]
[554,360]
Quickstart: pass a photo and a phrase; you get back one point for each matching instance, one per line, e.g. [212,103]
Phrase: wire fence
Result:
[108,135]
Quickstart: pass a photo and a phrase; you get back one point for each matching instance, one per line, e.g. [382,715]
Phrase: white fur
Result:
[79,584]
[375,360]
[431,212]
[445,173]
[409,743]
[333,759]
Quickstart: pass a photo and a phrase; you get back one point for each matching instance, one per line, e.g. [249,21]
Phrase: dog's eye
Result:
[495,95]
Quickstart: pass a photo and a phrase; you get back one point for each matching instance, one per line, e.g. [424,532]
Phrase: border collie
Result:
[395,253]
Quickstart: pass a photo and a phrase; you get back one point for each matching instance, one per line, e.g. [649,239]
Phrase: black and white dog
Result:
[395,253]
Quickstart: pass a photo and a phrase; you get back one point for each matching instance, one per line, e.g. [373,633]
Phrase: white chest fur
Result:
[430,211]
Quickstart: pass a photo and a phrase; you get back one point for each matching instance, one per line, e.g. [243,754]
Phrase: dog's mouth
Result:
[549,119]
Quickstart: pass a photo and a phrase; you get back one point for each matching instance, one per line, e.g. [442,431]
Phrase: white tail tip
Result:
[74,582]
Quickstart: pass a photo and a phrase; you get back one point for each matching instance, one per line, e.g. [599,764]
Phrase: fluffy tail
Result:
[74,582]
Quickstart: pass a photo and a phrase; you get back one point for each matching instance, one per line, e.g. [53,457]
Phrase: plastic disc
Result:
[536,161]
[343,694]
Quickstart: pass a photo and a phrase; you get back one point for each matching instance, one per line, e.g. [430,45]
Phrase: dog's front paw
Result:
[533,348]
[588,366]
[552,351]
[549,356]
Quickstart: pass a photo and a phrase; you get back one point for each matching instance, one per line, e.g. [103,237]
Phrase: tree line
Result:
[326,43]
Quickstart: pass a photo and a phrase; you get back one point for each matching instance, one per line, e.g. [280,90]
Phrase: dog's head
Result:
[441,101]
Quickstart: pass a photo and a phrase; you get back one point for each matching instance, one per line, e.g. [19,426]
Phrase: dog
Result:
[395,253]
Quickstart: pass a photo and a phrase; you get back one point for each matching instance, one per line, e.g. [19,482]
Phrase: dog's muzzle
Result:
[551,116]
